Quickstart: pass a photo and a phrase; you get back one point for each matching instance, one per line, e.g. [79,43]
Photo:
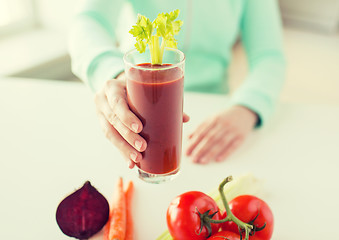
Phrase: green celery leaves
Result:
[165,26]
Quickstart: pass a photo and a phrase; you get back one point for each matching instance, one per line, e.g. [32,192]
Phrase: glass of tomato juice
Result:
[155,95]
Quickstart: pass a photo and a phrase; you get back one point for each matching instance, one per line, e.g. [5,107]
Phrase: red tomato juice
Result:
[155,95]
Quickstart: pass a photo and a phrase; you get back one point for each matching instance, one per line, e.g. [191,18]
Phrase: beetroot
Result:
[83,213]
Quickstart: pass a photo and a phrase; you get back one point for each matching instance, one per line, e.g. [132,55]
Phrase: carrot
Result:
[117,227]
[107,226]
[129,220]
[106,229]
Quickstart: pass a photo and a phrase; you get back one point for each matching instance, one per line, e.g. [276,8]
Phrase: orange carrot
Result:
[107,226]
[117,227]
[106,229]
[129,220]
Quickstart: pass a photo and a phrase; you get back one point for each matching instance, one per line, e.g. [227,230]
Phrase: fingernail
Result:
[138,144]
[133,156]
[135,127]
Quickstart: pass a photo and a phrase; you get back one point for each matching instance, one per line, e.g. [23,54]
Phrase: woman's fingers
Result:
[119,124]
[132,138]
[223,145]
[200,150]
[229,150]
[212,144]
[185,118]
[199,135]
[201,129]
[131,164]
[221,135]
[113,136]
[117,100]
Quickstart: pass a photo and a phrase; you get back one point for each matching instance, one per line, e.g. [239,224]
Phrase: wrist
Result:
[249,114]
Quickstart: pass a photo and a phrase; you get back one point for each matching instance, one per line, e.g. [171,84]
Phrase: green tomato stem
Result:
[229,214]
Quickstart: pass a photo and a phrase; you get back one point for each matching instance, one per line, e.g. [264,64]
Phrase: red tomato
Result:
[228,235]
[183,219]
[225,235]
[255,211]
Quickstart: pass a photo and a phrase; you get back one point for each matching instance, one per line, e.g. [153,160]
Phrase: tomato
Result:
[255,211]
[225,235]
[183,220]
[228,235]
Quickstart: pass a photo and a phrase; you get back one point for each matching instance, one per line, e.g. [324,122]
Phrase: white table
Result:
[51,143]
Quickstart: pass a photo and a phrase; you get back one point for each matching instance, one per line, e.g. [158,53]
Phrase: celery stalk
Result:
[156,51]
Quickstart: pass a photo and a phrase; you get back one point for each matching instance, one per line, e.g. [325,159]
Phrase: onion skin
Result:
[83,213]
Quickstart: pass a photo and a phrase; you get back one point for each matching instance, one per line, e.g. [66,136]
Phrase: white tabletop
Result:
[51,143]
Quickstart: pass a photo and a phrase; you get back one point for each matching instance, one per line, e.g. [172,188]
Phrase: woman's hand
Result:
[119,124]
[216,138]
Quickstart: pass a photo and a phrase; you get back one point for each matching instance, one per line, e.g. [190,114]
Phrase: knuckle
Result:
[108,83]
[113,119]
[125,132]
[126,118]
[209,138]
[121,83]
[120,101]
[115,102]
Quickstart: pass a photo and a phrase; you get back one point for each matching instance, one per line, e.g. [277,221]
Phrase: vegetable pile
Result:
[86,211]
[164,26]
[190,216]
[196,216]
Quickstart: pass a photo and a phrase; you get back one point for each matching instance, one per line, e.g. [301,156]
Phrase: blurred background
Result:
[33,44]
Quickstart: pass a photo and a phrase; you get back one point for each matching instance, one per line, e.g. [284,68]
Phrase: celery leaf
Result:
[142,31]
[165,25]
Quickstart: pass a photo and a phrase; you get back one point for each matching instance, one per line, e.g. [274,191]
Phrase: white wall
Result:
[55,14]
[316,14]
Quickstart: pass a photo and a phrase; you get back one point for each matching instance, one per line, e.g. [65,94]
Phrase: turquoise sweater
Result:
[210,30]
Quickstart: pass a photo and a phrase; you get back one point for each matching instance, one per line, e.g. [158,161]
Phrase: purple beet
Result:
[83,213]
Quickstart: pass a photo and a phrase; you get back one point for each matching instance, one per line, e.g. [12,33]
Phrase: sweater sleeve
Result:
[92,42]
[261,36]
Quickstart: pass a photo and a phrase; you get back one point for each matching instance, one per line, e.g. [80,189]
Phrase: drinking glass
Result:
[155,95]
